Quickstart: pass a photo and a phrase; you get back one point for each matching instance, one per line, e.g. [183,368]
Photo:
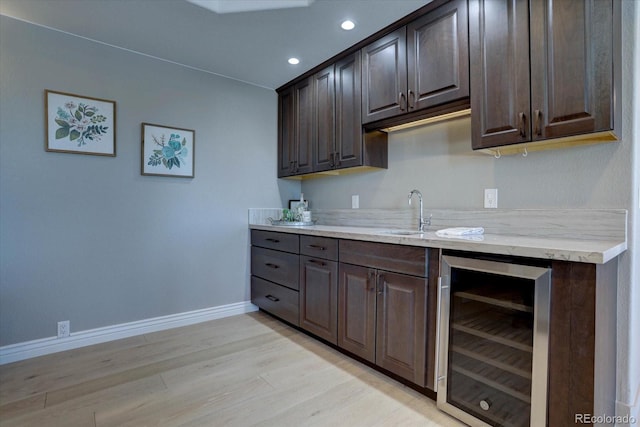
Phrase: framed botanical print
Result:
[79,124]
[168,151]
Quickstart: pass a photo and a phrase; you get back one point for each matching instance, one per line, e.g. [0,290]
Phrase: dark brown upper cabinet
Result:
[384,77]
[295,129]
[319,123]
[540,73]
[286,132]
[324,122]
[421,65]
[349,135]
[338,133]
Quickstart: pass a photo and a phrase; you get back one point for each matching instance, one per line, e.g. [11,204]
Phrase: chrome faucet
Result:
[422,220]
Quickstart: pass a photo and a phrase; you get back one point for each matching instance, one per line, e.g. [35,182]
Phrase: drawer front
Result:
[274,240]
[397,258]
[276,299]
[280,267]
[319,247]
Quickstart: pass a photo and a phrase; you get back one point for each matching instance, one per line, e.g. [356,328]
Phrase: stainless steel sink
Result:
[402,232]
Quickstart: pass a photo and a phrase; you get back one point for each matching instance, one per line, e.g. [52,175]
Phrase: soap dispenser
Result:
[304,214]
[300,208]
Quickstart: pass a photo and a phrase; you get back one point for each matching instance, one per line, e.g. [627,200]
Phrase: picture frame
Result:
[79,124]
[168,151]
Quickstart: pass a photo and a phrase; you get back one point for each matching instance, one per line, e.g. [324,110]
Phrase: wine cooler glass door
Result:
[493,339]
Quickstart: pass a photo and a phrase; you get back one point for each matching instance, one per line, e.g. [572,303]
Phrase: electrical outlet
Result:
[64,329]
[491,198]
[355,201]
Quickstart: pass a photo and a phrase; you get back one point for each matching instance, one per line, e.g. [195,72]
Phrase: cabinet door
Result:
[357,311]
[384,77]
[438,56]
[319,297]
[499,52]
[303,93]
[324,120]
[401,325]
[348,112]
[571,67]
[286,133]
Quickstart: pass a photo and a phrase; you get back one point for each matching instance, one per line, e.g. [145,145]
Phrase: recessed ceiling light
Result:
[347,25]
[293,61]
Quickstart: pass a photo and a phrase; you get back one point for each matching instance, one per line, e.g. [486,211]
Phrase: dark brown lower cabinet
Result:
[357,311]
[382,315]
[319,297]
[275,299]
[378,302]
[401,325]
[275,273]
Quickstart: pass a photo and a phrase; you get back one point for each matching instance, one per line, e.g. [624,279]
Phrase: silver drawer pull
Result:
[274,266]
[320,248]
[272,298]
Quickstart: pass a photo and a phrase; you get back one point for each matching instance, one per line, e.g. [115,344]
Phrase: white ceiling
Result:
[249,46]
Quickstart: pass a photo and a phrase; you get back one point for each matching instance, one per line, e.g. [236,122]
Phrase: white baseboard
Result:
[29,349]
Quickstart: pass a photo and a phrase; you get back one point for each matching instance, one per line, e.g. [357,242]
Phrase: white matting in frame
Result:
[168,151]
[80,124]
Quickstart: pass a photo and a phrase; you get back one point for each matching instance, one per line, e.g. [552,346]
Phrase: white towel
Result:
[460,231]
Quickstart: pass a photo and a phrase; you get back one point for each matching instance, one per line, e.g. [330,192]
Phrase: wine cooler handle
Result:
[441,334]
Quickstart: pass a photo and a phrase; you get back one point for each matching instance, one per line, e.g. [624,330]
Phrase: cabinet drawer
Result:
[319,247]
[397,258]
[274,240]
[276,299]
[275,266]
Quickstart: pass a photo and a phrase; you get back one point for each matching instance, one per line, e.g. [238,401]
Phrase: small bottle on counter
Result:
[303,213]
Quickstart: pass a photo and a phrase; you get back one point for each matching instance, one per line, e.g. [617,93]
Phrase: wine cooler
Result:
[493,342]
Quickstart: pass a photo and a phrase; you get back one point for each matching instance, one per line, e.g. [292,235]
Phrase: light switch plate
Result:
[491,198]
[355,201]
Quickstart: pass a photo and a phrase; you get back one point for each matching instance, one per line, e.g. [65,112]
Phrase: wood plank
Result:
[246,370]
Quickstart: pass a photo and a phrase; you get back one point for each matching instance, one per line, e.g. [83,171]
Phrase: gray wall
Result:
[437,160]
[90,240]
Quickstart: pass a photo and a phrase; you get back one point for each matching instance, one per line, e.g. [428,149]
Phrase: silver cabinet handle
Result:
[537,116]
[521,120]
[402,96]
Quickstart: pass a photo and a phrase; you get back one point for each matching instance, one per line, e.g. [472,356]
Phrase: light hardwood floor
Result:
[238,371]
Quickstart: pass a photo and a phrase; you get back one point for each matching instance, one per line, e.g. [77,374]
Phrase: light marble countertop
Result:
[564,249]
